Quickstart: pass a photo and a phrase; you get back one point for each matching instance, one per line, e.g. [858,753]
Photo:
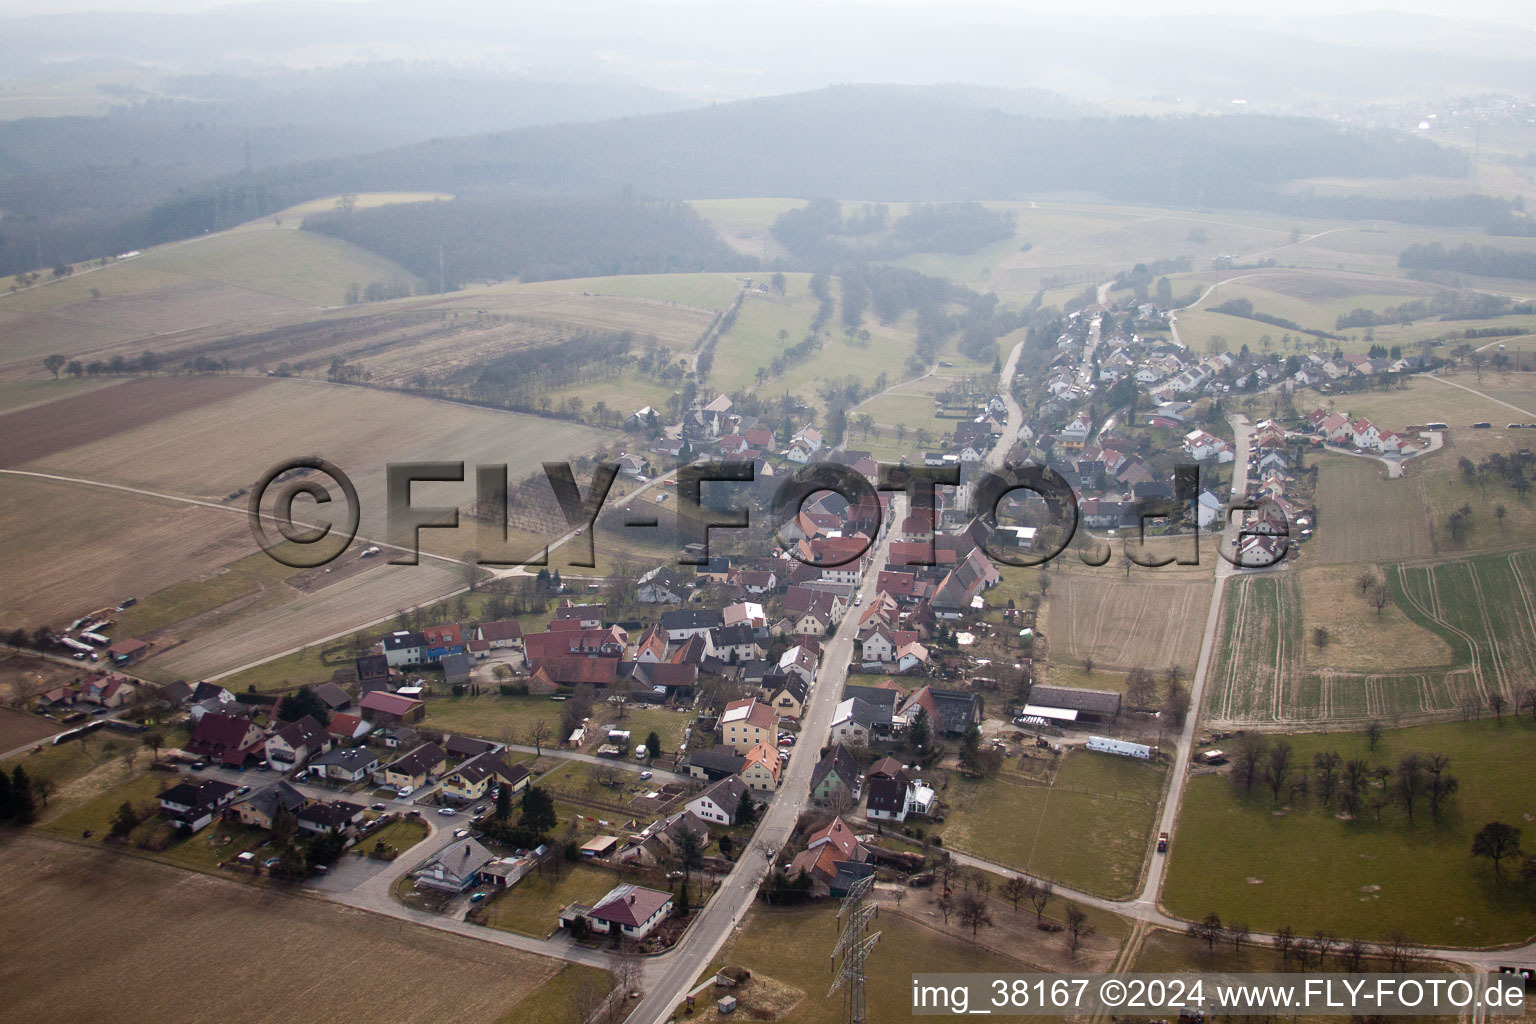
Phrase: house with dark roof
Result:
[292,744]
[338,816]
[414,768]
[836,773]
[259,808]
[455,669]
[714,763]
[193,804]
[718,803]
[859,724]
[233,741]
[473,779]
[789,694]
[456,869]
[683,623]
[349,764]
[403,649]
[372,672]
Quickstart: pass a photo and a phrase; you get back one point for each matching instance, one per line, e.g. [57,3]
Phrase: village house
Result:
[193,804]
[747,723]
[293,744]
[631,911]
[456,869]
[415,768]
[719,802]
[349,764]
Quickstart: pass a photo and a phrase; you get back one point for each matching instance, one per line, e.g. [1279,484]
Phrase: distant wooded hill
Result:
[875,143]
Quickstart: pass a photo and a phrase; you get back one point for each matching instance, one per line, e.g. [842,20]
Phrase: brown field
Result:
[1359,638]
[36,433]
[226,952]
[24,675]
[17,729]
[72,549]
[1120,622]
[1364,517]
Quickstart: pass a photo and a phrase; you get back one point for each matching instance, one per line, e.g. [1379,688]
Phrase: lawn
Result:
[492,716]
[786,949]
[531,906]
[70,904]
[402,834]
[1364,517]
[1302,866]
[1089,830]
[1360,638]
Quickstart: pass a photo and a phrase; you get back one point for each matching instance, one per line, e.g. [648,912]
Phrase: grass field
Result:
[68,904]
[360,201]
[16,395]
[531,906]
[786,951]
[234,277]
[1485,609]
[1089,829]
[1361,639]
[1364,517]
[205,554]
[1456,630]
[1306,868]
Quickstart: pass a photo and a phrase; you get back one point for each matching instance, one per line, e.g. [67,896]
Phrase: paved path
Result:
[1479,394]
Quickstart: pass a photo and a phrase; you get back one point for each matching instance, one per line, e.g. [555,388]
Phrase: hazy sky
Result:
[1510,12]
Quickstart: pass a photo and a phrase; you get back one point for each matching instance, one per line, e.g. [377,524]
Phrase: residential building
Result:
[383,708]
[260,808]
[193,804]
[473,779]
[456,869]
[719,802]
[632,911]
[414,768]
[348,764]
[747,723]
[762,767]
[292,744]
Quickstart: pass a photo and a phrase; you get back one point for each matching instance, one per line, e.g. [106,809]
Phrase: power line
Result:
[855,948]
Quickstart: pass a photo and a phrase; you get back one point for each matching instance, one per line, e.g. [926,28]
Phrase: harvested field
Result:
[71,549]
[84,908]
[1260,635]
[196,452]
[81,419]
[1145,620]
[1364,517]
[17,729]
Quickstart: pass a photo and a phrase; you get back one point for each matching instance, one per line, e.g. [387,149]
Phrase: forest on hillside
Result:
[534,239]
[880,143]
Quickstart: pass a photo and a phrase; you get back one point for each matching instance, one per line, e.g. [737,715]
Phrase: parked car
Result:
[462,833]
[270,862]
[480,897]
[480,809]
[379,807]
[644,776]
[242,791]
[447,812]
[404,792]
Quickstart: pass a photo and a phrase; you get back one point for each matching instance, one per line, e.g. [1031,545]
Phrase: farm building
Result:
[1071,704]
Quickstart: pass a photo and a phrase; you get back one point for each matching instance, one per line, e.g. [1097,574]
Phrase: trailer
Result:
[95,638]
[76,645]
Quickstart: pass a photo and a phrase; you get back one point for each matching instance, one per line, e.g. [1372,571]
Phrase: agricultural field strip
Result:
[237,510]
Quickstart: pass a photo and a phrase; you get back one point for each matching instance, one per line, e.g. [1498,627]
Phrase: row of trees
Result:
[1418,781]
[1310,952]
